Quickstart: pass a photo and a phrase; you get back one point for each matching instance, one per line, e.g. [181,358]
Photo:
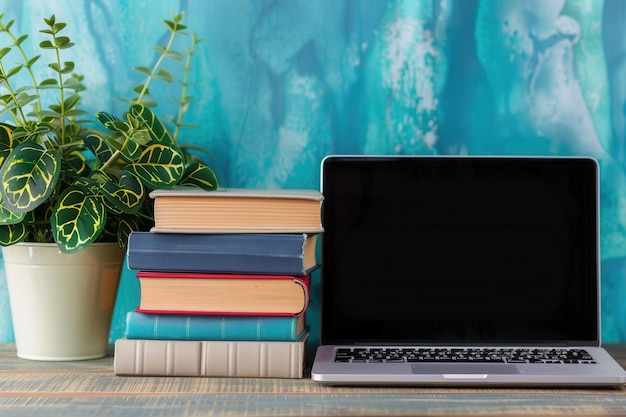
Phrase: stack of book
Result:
[224,280]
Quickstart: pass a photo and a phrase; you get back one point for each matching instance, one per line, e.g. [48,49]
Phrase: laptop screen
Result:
[460,249]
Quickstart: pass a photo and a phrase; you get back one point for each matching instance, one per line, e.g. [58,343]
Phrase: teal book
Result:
[205,327]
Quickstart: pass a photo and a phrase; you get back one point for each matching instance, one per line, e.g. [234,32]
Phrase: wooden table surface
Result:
[89,388]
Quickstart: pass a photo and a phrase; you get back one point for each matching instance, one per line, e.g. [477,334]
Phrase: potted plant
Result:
[75,192]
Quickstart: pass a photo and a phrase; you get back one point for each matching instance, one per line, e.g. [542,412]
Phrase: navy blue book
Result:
[265,254]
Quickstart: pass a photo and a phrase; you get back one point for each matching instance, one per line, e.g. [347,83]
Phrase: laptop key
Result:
[512,356]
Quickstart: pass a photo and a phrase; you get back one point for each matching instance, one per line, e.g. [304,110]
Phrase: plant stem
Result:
[19,117]
[61,91]
[183,95]
[167,50]
[4,28]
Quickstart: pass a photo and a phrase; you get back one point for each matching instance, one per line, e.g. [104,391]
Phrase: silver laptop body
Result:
[446,270]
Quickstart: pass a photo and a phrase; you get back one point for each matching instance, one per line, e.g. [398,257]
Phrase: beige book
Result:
[235,210]
[261,359]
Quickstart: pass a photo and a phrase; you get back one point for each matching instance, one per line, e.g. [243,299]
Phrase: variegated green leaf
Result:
[106,119]
[12,233]
[94,185]
[98,147]
[78,218]
[160,166]
[127,225]
[28,176]
[6,141]
[157,130]
[131,151]
[6,136]
[30,131]
[128,196]
[8,217]
[199,175]
[75,164]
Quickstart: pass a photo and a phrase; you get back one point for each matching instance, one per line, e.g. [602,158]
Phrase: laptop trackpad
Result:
[460,369]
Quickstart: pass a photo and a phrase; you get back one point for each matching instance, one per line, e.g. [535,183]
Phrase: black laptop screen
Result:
[459,249]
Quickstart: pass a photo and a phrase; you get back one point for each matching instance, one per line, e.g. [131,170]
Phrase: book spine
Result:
[209,358]
[202,327]
[243,253]
[303,282]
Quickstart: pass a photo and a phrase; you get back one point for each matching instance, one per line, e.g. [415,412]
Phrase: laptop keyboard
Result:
[469,355]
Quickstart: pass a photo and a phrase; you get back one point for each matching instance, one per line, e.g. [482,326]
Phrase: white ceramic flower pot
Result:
[62,304]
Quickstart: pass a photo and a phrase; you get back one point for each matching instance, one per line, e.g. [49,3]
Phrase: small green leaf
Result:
[68,67]
[75,113]
[23,99]
[49,83]
[9,107]
[50,21]
[14,70]
[51,114]
[71,101]
[173,55]
[57,27]
[30,131]
[46,44]
[73,83]
[20,40]
[145,101]
[4,51]
[9,25]
[164,75]
[32,61]
[67,45]
[143,70]
[139,88]
[24,89]
[61,41]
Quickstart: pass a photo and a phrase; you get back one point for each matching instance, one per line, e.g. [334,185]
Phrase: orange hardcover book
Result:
[223,294]
[237,210]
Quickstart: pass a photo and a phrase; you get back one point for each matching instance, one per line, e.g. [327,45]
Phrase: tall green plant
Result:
[61,181]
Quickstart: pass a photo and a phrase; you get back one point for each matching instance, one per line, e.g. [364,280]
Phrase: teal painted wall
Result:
[280,84]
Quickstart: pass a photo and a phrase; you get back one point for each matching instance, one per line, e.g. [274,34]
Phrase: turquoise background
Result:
[280,84]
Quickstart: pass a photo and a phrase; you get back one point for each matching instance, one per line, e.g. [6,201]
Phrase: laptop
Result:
[446,270]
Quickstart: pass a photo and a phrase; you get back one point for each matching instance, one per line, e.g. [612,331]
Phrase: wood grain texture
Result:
[29,388]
